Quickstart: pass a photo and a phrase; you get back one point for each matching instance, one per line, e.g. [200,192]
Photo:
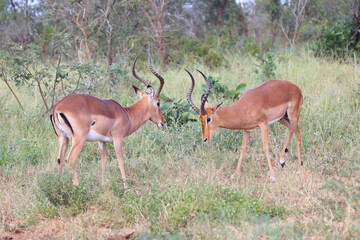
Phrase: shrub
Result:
[250,47]
[58,190]
[213,59]
[267,66]
[337,41]
[222,91]
[175,111]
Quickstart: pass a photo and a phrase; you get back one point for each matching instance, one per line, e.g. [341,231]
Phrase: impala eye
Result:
[158,104]
[208,120]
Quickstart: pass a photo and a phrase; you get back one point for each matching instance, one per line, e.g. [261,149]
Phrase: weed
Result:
[267,66]
[59,190]
[221,90]
[175,111]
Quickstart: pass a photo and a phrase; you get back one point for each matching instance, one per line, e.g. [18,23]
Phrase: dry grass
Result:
[181,188]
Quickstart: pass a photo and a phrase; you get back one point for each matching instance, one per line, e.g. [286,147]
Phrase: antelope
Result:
[83,118]
[270,102]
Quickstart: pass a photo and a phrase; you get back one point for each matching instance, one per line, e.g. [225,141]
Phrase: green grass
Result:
[181,188]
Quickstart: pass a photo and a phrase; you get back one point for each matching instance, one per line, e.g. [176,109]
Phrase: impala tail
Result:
[59,123]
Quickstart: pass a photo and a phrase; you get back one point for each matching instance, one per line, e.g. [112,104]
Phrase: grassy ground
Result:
[181,188]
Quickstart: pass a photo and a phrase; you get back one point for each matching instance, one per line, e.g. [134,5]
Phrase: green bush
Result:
[213,59]
[250,46]
[59,190]
[337,41]
[267,66]
[222,91]
[175,111]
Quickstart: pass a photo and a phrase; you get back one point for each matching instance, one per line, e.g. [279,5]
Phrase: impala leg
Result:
[264,137]
[287,141]
[242,152]
[294,118]
[103,154]
[298,141]
[63,144]
[77,146]
[119,155]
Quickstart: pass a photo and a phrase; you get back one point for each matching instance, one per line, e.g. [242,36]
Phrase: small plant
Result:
[250,46]
[175,111]
[222,91]
[59,190]
[267,66]
[213,59]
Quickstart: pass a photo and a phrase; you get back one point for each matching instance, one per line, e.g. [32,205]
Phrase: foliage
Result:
[180,188]
[20,65]
[221,90]
[175,111]
[206,50]
[337,41]
[59,190]
[267,66]
[182,206]
[213,59]
[250,46]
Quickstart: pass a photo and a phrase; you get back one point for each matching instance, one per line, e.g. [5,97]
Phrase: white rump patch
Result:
[94,136]
[62,129]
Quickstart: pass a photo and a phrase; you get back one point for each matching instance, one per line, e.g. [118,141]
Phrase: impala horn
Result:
[205,95]
[146,83]
[188,96]
[161,79]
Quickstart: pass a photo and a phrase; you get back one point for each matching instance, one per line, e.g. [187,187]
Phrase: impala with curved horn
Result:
[273,101]
[84,118]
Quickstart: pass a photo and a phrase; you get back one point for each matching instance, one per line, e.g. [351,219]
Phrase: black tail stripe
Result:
[67,122]
[52,123]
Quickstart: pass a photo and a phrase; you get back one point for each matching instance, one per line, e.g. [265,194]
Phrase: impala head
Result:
[207,115]
[150,99]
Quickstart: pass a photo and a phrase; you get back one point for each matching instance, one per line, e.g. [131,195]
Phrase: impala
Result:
[82,118]
[273,101]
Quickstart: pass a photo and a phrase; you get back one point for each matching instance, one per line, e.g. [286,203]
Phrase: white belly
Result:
[94,136]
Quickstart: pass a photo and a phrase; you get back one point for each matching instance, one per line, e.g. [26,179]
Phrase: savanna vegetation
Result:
[180,188]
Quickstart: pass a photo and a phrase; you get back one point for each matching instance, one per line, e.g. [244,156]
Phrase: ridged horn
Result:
[146,83]
[188,96]
[161,79]
[205,95]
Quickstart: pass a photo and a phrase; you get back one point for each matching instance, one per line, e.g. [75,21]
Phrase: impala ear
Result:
[150,92]
[218,106]
[138,91]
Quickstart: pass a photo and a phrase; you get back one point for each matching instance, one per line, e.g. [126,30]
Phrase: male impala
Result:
[273,101]
[84,118]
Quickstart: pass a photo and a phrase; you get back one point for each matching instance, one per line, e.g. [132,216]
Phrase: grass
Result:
[181,188]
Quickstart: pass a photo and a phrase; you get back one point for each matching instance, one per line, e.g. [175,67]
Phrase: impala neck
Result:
[138,114]
[232,117]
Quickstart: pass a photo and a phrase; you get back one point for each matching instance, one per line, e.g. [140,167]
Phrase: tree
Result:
[295,8]
[157,23]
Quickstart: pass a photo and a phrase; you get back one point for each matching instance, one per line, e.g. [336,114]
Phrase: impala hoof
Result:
[302,163]
[283,164]
[272,178]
